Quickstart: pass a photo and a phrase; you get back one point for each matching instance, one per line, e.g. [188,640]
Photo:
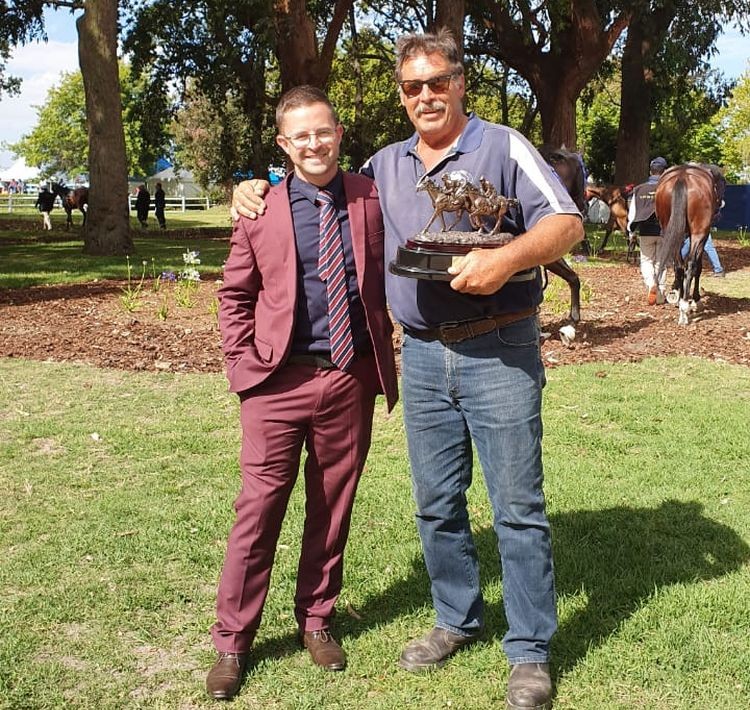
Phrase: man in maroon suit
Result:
[307,345]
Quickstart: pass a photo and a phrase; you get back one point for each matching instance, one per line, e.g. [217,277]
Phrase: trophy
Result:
[428,255]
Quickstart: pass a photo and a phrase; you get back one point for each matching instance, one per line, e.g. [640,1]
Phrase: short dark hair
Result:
[441,42]
[299,96]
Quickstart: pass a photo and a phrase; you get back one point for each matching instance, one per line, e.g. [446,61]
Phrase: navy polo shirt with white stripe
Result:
[505,158]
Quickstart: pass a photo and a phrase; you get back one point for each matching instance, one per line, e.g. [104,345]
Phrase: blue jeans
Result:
[487,390]
[710,251]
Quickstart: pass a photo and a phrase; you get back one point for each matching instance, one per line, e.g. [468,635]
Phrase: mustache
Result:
[434,105]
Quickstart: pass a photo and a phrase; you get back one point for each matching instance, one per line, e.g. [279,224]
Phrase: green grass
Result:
[112,545]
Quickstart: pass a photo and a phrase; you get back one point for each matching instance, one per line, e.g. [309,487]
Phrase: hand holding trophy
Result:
[429,254]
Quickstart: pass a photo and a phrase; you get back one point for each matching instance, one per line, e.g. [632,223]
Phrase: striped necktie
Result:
[332,272]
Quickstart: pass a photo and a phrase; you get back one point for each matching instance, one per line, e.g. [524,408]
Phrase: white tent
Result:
[176,183]
[19,171]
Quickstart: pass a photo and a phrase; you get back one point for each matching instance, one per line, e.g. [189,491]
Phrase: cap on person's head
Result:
[658,164]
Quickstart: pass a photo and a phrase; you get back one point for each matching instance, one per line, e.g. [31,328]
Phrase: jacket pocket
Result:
[265,350]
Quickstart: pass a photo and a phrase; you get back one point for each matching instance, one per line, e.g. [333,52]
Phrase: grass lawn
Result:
[25,261]
[117,491]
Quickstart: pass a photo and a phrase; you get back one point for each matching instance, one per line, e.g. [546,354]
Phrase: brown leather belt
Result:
[318,361]
[449,333]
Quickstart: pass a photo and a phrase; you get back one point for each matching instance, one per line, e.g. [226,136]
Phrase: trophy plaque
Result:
[429,254]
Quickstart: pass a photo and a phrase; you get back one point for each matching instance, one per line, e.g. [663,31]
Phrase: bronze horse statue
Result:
[688,198]
[75,199]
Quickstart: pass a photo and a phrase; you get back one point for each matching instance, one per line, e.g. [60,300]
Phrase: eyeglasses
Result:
[302,140]
[438,85]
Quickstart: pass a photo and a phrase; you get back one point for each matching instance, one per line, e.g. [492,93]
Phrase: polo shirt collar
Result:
[469,140]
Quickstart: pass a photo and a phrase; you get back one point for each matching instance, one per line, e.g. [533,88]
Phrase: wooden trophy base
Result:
[429,255]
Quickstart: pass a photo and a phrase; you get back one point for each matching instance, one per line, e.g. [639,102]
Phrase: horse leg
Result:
[695,266]
[563,270]
[610,226]
[68,218]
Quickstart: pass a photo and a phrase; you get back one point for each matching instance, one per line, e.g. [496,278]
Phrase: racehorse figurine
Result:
[688,198]
[443,200]
[76,199]
[614,197]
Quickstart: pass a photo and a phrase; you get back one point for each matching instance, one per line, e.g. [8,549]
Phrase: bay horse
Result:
[688,197]
[76,199]
[614,197]
[570,169]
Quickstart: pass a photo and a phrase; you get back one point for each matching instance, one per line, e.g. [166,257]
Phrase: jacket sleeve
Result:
[238,297]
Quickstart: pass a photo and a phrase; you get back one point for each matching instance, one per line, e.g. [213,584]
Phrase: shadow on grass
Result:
[618,557]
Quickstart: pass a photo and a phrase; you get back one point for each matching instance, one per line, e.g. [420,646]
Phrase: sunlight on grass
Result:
[117,500]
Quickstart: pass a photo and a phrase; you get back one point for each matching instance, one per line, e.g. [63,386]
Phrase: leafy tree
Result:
[380,119]
[598,118]
[401,16]
[556,46]
[107,229]
[666,41]
[20,21]
[213,138]
[59,140]
[733,125]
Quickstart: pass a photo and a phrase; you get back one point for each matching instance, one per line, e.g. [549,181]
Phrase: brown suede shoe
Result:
[432,650]
[223,680]
[529,687]
[324,650]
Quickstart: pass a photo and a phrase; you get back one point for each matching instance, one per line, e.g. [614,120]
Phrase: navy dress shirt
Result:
[311,333]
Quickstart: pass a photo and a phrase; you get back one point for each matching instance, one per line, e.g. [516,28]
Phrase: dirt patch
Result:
[89,323]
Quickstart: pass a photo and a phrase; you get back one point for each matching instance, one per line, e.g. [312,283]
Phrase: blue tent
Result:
[736,210]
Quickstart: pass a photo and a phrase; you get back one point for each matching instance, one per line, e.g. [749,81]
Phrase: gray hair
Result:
[441,42]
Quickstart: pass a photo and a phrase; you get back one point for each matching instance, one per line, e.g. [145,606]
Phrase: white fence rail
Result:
[9,203]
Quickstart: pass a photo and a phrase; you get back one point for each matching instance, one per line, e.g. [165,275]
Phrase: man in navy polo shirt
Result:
[471,364]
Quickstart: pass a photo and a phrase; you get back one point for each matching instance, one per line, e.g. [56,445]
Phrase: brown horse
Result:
[569,168]
[687,200]
[613,197]
[76,199]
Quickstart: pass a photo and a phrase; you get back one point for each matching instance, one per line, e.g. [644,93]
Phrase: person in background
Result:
[308,344]
[709,249]
[142,206]
[642,220]
[472,369]
[160,202]
[45,201]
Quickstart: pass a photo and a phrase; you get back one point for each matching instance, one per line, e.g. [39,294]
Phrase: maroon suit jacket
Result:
[257,301]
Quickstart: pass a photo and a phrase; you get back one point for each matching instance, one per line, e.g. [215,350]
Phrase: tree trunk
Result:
[300,62]
[631,163]
[557,107]
[557,60]
[107,230]
[451,15]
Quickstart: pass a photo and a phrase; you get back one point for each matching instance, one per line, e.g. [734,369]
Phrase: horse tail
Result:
[676,229]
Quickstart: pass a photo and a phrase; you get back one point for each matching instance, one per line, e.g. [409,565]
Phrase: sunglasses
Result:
[438,85]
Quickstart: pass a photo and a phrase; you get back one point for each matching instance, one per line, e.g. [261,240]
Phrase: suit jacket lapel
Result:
[282,228]
[356,208]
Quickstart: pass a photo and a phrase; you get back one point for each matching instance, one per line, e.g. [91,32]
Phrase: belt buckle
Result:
[460,331]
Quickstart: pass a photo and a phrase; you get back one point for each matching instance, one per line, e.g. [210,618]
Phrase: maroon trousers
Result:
[331,413]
